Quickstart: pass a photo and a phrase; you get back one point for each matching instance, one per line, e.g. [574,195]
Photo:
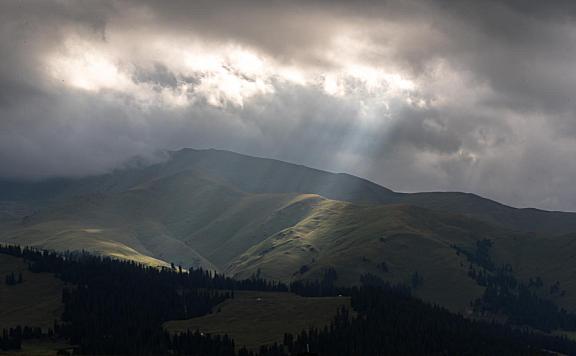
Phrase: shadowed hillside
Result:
[260,175]
[35,301]
[251,216]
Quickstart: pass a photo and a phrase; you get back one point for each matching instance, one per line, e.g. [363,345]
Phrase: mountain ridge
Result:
[245,215]
[256,175]
[266,175]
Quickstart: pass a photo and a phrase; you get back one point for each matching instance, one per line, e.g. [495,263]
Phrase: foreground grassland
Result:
[259,318]
[35,302]
[38,348]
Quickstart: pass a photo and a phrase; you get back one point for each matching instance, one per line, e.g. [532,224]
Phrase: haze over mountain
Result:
[246,215]
[416,95]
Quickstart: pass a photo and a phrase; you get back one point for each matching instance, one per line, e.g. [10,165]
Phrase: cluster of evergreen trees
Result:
[480,255]
[11,339]
[325,286]
[118,307]
[390,321]
[13,278]
[523,303]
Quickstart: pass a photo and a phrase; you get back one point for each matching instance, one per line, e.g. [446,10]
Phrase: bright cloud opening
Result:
[220,75]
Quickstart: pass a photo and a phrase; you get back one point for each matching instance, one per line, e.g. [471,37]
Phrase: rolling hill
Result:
[394,242]
[261,175]
[253,216]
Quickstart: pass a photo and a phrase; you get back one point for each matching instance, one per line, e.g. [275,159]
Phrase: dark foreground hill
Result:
[118,307]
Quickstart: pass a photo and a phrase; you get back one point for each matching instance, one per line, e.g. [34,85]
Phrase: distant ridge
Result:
[247,216]
[264,175]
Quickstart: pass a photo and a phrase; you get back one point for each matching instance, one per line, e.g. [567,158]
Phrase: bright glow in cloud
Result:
[82,66]
[221,75]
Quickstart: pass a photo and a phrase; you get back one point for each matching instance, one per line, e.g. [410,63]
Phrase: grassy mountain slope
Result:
[260,175]
[394,242]
[525,220]
[356,240]
[182,218]
[244,215]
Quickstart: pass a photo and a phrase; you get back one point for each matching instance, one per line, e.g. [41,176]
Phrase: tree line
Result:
[524,303]
[118,307]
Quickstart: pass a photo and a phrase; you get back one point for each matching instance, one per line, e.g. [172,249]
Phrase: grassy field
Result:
[38,348]
[35,302]
[258,318]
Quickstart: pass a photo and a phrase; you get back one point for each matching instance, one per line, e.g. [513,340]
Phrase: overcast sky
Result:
[474,96]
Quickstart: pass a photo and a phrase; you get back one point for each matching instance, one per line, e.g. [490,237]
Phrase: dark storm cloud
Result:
[492,111]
